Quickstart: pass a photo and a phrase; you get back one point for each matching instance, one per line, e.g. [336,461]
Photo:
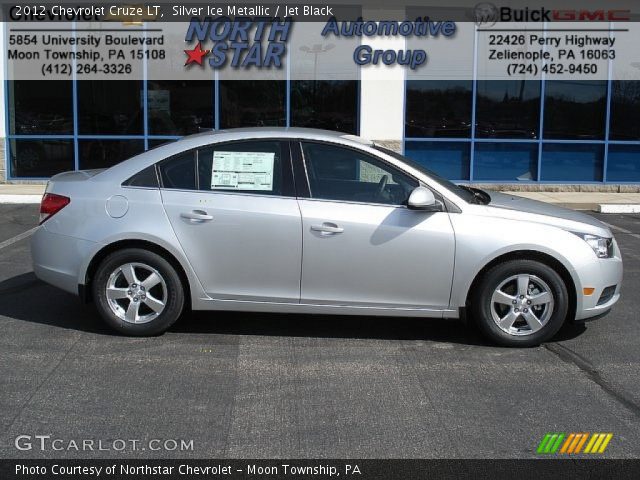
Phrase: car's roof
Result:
[127,168]
[284,132]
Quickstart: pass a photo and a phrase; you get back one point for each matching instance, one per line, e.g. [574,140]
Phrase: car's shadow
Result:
[25,298]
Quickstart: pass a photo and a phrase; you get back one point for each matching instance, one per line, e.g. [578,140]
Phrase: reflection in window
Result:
[158,142]
[508,162]
[623,163]
[575,109]
[448,159]
[438,108]
[107,107]
[40,107]
[338,173]
[252,103]
[572,162]
[331,105]
[508,109]
[40,158]
[179,107]
[625,110]
[106,153]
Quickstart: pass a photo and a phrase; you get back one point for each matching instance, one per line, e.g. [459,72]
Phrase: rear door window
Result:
[248,167]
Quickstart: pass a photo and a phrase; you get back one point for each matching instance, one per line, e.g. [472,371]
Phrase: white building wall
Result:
[382,94]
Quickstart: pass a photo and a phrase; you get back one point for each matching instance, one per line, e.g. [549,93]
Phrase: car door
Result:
[361,245]
[233,208]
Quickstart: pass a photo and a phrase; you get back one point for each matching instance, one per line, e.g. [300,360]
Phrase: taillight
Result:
[52,204]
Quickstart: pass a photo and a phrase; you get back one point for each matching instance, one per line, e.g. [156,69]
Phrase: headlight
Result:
[601,246]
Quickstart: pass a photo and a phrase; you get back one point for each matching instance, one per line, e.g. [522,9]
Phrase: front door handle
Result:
[327,227]
[198,215]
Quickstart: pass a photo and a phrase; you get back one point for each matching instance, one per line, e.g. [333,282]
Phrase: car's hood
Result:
[557,214]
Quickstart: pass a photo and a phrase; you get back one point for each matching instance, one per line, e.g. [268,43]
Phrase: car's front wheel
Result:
[138,292]
[520,303]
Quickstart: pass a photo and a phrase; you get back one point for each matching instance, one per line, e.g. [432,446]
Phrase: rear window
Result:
[179,172]
[145,178]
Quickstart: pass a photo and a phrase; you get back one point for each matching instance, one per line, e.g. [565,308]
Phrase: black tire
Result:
[172,289]
[481,303]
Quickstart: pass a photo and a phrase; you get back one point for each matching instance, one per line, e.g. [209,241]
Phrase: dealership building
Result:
[530,134]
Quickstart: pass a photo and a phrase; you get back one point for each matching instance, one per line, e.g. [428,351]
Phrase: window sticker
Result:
[242,170]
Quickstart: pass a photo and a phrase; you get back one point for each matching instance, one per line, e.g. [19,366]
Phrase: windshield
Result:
[465,194]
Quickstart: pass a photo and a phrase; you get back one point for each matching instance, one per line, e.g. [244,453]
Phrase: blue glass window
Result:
[105,153]
[572,162]
[508,109]
[438,108]
[328,104]
[40,158]
[625,111]
[252,103]
[512,162]
[106,107]
[623,164]
[40,107]
[575,109]
[177,107]
[448,159]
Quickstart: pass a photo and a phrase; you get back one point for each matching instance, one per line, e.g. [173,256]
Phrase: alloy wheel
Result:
[522,304]
[136,293]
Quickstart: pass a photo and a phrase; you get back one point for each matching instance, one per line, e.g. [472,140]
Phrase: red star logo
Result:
[196,55]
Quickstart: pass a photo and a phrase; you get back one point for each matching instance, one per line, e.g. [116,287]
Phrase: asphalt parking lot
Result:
[263,386]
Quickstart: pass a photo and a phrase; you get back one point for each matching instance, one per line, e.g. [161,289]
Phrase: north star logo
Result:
[241,43]
[196,55]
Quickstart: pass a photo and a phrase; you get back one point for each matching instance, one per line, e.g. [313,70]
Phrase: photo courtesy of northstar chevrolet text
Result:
[297,240]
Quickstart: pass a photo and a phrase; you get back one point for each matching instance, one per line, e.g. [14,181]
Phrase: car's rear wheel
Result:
[520,303]
[138,292]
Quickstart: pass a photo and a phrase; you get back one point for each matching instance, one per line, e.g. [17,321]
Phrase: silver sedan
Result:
[309,221]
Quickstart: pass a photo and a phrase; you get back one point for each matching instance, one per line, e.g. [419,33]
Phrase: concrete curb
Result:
[18,199]
[618,208]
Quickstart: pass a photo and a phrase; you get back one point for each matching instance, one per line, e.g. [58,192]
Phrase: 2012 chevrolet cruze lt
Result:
[309,221]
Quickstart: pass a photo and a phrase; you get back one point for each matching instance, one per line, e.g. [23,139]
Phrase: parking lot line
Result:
[17,238]
[622,230]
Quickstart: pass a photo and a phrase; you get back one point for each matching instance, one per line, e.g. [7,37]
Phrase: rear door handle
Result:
[327,227]
[199,215]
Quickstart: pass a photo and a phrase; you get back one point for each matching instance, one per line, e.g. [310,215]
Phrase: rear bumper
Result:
[57,259]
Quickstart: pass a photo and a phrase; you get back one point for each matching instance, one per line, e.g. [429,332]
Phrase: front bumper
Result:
[599,275]
[58,259]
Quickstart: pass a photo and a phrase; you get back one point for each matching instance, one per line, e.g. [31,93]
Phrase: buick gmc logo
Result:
[487,14]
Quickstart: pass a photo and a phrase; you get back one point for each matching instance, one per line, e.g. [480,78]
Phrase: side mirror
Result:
[422,199]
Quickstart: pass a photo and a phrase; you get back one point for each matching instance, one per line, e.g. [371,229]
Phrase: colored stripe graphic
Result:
[582,442]
[591,443]
[550,443]
[543,443]
[604,445]
[567,442]
[572,443]
[556,445]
